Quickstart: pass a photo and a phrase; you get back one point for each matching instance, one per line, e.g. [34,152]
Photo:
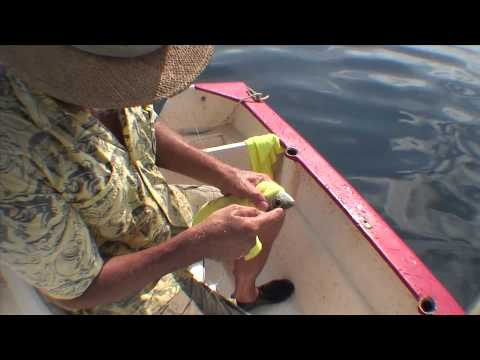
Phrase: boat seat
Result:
[26,298]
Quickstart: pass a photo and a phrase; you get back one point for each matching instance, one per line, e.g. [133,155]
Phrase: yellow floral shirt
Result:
[71,195]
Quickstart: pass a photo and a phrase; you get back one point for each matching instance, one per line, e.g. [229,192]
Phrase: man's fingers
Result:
[257,198]
[246,211]
[264,177]
[261,203]
[267,218]
[255,178]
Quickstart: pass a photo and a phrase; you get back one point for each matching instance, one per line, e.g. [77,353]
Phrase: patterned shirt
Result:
[71,195]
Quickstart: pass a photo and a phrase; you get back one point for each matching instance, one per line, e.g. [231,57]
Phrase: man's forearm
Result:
[125,275]
[175,154]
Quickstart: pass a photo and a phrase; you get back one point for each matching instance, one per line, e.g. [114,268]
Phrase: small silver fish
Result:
[282,200]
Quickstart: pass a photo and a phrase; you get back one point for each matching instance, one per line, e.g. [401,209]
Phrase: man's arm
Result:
[175,154]
[122,276]
[226,235]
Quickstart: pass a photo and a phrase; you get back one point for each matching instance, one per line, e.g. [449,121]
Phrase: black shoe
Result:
[272,292]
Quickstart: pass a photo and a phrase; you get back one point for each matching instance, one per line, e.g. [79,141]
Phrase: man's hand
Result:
[229,233]
[226,235]
[242,183]
[176,155]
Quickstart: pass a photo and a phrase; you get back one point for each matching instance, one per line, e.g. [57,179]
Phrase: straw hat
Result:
[107,76]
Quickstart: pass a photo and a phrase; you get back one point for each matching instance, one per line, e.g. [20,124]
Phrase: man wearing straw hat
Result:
[86,216]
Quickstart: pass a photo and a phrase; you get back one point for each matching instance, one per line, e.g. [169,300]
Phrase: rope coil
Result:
[257,96]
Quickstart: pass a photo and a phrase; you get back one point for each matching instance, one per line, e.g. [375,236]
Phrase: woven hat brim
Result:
[91,81]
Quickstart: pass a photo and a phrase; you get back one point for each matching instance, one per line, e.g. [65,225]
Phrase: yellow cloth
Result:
[268,188]
[263,151]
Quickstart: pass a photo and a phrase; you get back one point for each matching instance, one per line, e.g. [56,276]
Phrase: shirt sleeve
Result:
[43,239]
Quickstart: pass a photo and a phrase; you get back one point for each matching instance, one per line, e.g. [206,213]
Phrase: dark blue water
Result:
[401,123]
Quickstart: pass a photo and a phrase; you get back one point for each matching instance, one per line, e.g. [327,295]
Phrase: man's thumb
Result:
[270,217]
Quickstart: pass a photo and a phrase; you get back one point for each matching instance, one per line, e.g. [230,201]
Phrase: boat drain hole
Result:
[291,151]
[427,305]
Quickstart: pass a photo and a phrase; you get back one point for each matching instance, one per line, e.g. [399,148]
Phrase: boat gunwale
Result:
[402,260]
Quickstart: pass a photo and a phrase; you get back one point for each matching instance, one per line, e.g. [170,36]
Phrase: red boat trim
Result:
[411,270]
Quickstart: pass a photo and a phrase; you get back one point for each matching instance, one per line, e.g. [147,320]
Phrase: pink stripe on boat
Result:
[411,270]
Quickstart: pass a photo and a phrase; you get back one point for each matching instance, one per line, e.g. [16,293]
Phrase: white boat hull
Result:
[342,257]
